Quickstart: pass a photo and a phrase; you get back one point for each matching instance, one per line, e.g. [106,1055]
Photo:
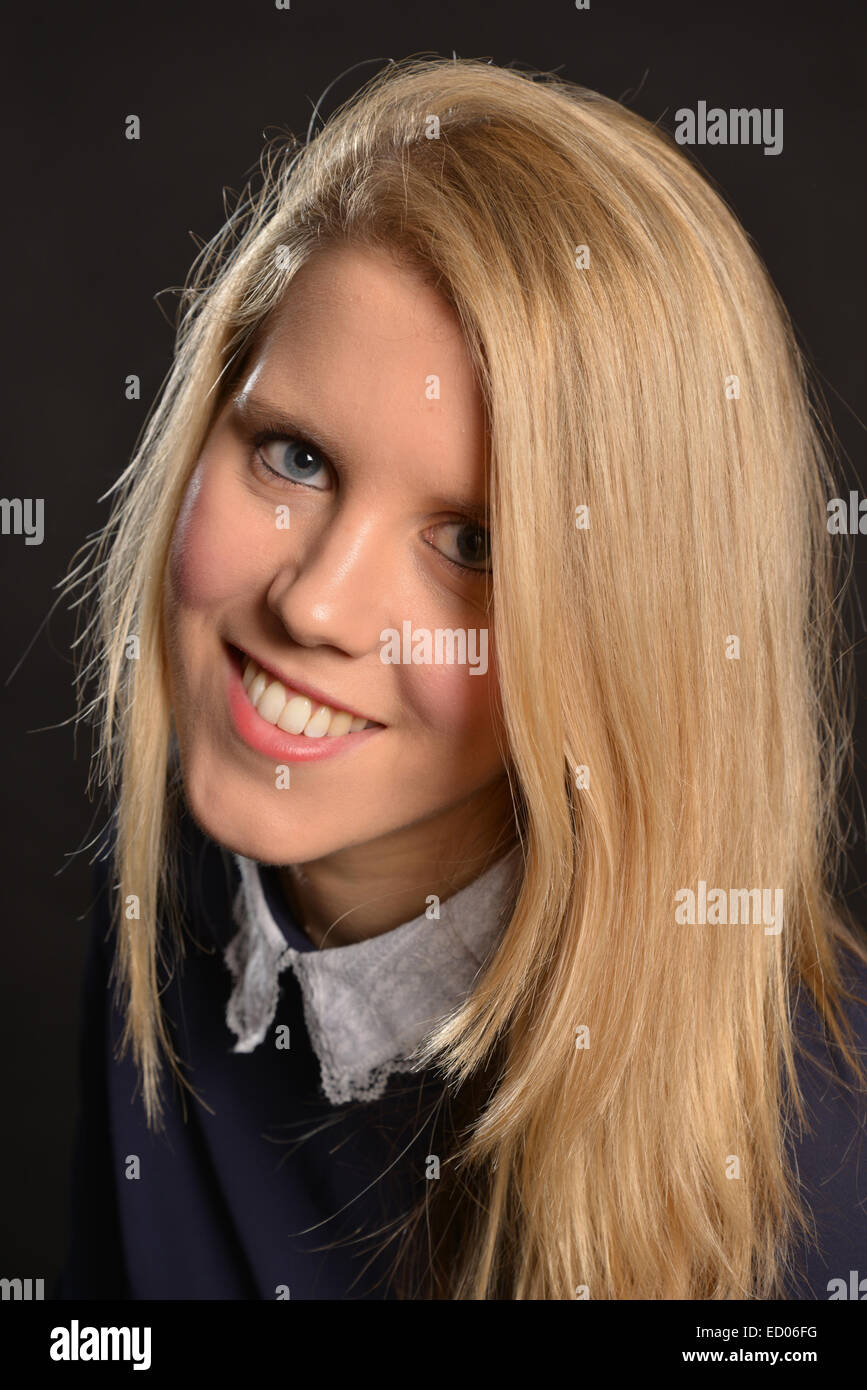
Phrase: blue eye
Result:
[294,460]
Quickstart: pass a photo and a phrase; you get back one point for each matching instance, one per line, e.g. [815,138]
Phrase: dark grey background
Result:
[96,226]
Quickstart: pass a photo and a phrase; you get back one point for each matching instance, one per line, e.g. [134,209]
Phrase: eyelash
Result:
[267,436]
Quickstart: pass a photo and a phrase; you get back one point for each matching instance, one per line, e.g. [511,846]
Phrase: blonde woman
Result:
[468,691]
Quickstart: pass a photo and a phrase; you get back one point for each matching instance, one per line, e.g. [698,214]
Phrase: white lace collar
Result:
[366,1005]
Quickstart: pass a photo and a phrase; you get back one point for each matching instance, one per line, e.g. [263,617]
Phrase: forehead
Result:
[358,282]
[361,342]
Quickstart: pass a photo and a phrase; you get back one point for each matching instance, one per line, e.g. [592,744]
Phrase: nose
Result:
[335,592]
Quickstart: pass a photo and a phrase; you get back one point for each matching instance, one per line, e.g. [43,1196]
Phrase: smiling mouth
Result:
[292,712]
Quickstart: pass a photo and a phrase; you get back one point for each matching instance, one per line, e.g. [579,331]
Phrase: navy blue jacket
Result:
[277,1193]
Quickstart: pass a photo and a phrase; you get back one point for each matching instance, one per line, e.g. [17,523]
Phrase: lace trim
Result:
[258,954]
[256,963]
[339,1085]
[255,967]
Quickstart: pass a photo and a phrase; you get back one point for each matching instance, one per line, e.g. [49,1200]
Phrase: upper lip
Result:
[319,697]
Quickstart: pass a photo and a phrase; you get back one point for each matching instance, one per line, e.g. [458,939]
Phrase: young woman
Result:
[468,689]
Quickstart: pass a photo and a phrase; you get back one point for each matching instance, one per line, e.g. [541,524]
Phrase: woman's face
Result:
[302,555]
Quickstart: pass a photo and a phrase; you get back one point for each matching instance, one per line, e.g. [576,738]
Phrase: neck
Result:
[365,890]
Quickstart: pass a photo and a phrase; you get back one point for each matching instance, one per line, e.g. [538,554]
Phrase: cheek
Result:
[209,560]
[455,705]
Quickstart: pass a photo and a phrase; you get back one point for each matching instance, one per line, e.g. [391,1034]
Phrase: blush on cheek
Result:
[449,700]
[210,554]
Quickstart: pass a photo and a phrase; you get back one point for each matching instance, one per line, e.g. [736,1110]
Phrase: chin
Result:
[258,825]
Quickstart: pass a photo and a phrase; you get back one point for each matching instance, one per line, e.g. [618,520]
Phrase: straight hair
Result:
[667,622]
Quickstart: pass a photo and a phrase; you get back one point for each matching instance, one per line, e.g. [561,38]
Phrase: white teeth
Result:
[295,714]
[257,688]
[317,725]
[340,724]
[272,703]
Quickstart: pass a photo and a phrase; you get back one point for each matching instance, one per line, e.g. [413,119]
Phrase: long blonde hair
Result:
[673,701]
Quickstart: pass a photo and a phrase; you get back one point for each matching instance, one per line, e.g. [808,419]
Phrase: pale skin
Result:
[363,838]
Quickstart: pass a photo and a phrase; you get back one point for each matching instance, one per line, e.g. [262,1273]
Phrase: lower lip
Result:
[266,738]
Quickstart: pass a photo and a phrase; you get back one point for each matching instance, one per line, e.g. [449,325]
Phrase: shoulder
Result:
[818,1053]
[830,1148]
[202,879]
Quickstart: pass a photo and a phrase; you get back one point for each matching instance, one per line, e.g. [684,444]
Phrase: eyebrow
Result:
[265,416]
